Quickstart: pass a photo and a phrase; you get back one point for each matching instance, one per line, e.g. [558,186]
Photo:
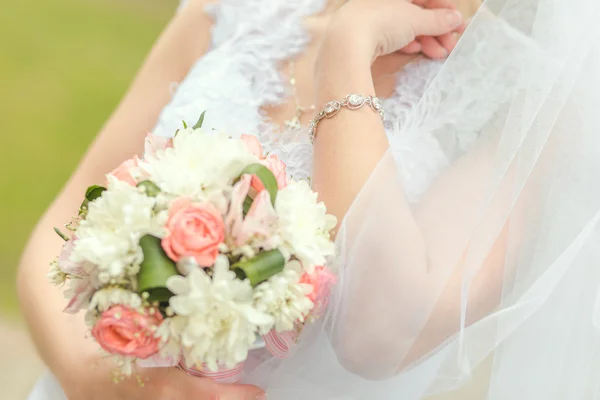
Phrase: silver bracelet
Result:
[351,102]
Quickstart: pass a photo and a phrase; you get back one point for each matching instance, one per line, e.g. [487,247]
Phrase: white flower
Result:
[284,298]
[109,236]
[169,333]
[216,321]
[126,365]
[55,275]
[199,164]
[105,298]
[304,225]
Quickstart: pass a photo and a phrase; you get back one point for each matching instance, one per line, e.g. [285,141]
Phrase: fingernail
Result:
[454,18]
[261,396]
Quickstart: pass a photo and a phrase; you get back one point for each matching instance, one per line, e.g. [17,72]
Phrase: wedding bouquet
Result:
[191,254]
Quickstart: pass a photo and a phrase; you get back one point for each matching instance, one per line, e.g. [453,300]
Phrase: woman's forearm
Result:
[59,337]
[408,261]
[349,146]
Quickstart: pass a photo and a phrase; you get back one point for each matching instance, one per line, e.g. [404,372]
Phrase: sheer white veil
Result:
[492,276]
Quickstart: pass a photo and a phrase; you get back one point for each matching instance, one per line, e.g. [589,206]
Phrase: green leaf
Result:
[62,235]
[200,121]
[265,176]
[161,295]
[93,192]
[150,188]
[156,268]
[247,204]
[184,125]
[261,267]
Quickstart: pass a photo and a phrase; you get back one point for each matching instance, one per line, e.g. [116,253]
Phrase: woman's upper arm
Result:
[185,39]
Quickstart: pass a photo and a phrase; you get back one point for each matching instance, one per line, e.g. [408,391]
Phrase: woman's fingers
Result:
[209,390]
[448,41]
[432,48]
[174,384]
[436,22]
[413,47]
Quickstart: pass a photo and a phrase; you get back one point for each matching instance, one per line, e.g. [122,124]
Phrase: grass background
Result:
[64,65]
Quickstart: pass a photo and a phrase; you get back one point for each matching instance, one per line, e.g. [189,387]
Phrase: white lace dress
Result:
[239,75]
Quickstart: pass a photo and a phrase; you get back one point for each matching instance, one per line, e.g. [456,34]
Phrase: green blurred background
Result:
[64,65]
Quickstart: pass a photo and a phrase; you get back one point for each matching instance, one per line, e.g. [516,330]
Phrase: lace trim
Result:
[434,116]
[437,116]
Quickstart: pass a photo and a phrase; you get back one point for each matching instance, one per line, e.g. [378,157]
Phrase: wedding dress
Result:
[493,154]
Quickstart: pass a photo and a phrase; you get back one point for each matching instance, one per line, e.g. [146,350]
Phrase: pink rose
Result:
[123,171]
[253,145]
[195,230]
[127,332]
[154,143]
[321,280]
[277,167]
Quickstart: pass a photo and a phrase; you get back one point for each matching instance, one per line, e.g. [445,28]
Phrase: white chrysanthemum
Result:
[199,164]
[109,236]
[169,333]
[304,225]
[284,298]
[105,298]
[216,321]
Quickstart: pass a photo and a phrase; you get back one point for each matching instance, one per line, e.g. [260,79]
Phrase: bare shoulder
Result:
[189,32]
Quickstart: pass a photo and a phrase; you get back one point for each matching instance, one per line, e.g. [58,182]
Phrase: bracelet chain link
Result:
[351,102]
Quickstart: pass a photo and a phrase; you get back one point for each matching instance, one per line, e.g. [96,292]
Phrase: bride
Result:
[467,254]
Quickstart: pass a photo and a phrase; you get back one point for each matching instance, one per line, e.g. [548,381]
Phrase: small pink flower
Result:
[234,220]
[195,230]
[277,167]
[124,171]
[321,280]
[154,143]
[127,332]
[259,224]
[253,145]
[64,260]
[79,294]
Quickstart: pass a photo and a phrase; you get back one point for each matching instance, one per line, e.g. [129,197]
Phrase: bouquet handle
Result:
[223,375]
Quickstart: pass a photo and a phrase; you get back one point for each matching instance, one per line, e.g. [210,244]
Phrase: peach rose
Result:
[123,171]
[277,167]
[253,145]
[127,332]
[154,143]
[195,230]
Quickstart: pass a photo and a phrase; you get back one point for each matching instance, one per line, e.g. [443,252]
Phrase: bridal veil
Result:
[493,271]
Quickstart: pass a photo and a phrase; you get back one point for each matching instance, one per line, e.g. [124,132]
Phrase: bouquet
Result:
[191,254]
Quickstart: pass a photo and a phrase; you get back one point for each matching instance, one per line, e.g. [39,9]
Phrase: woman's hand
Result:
[364,30]
[93,383]
[387,26]
[360,32]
